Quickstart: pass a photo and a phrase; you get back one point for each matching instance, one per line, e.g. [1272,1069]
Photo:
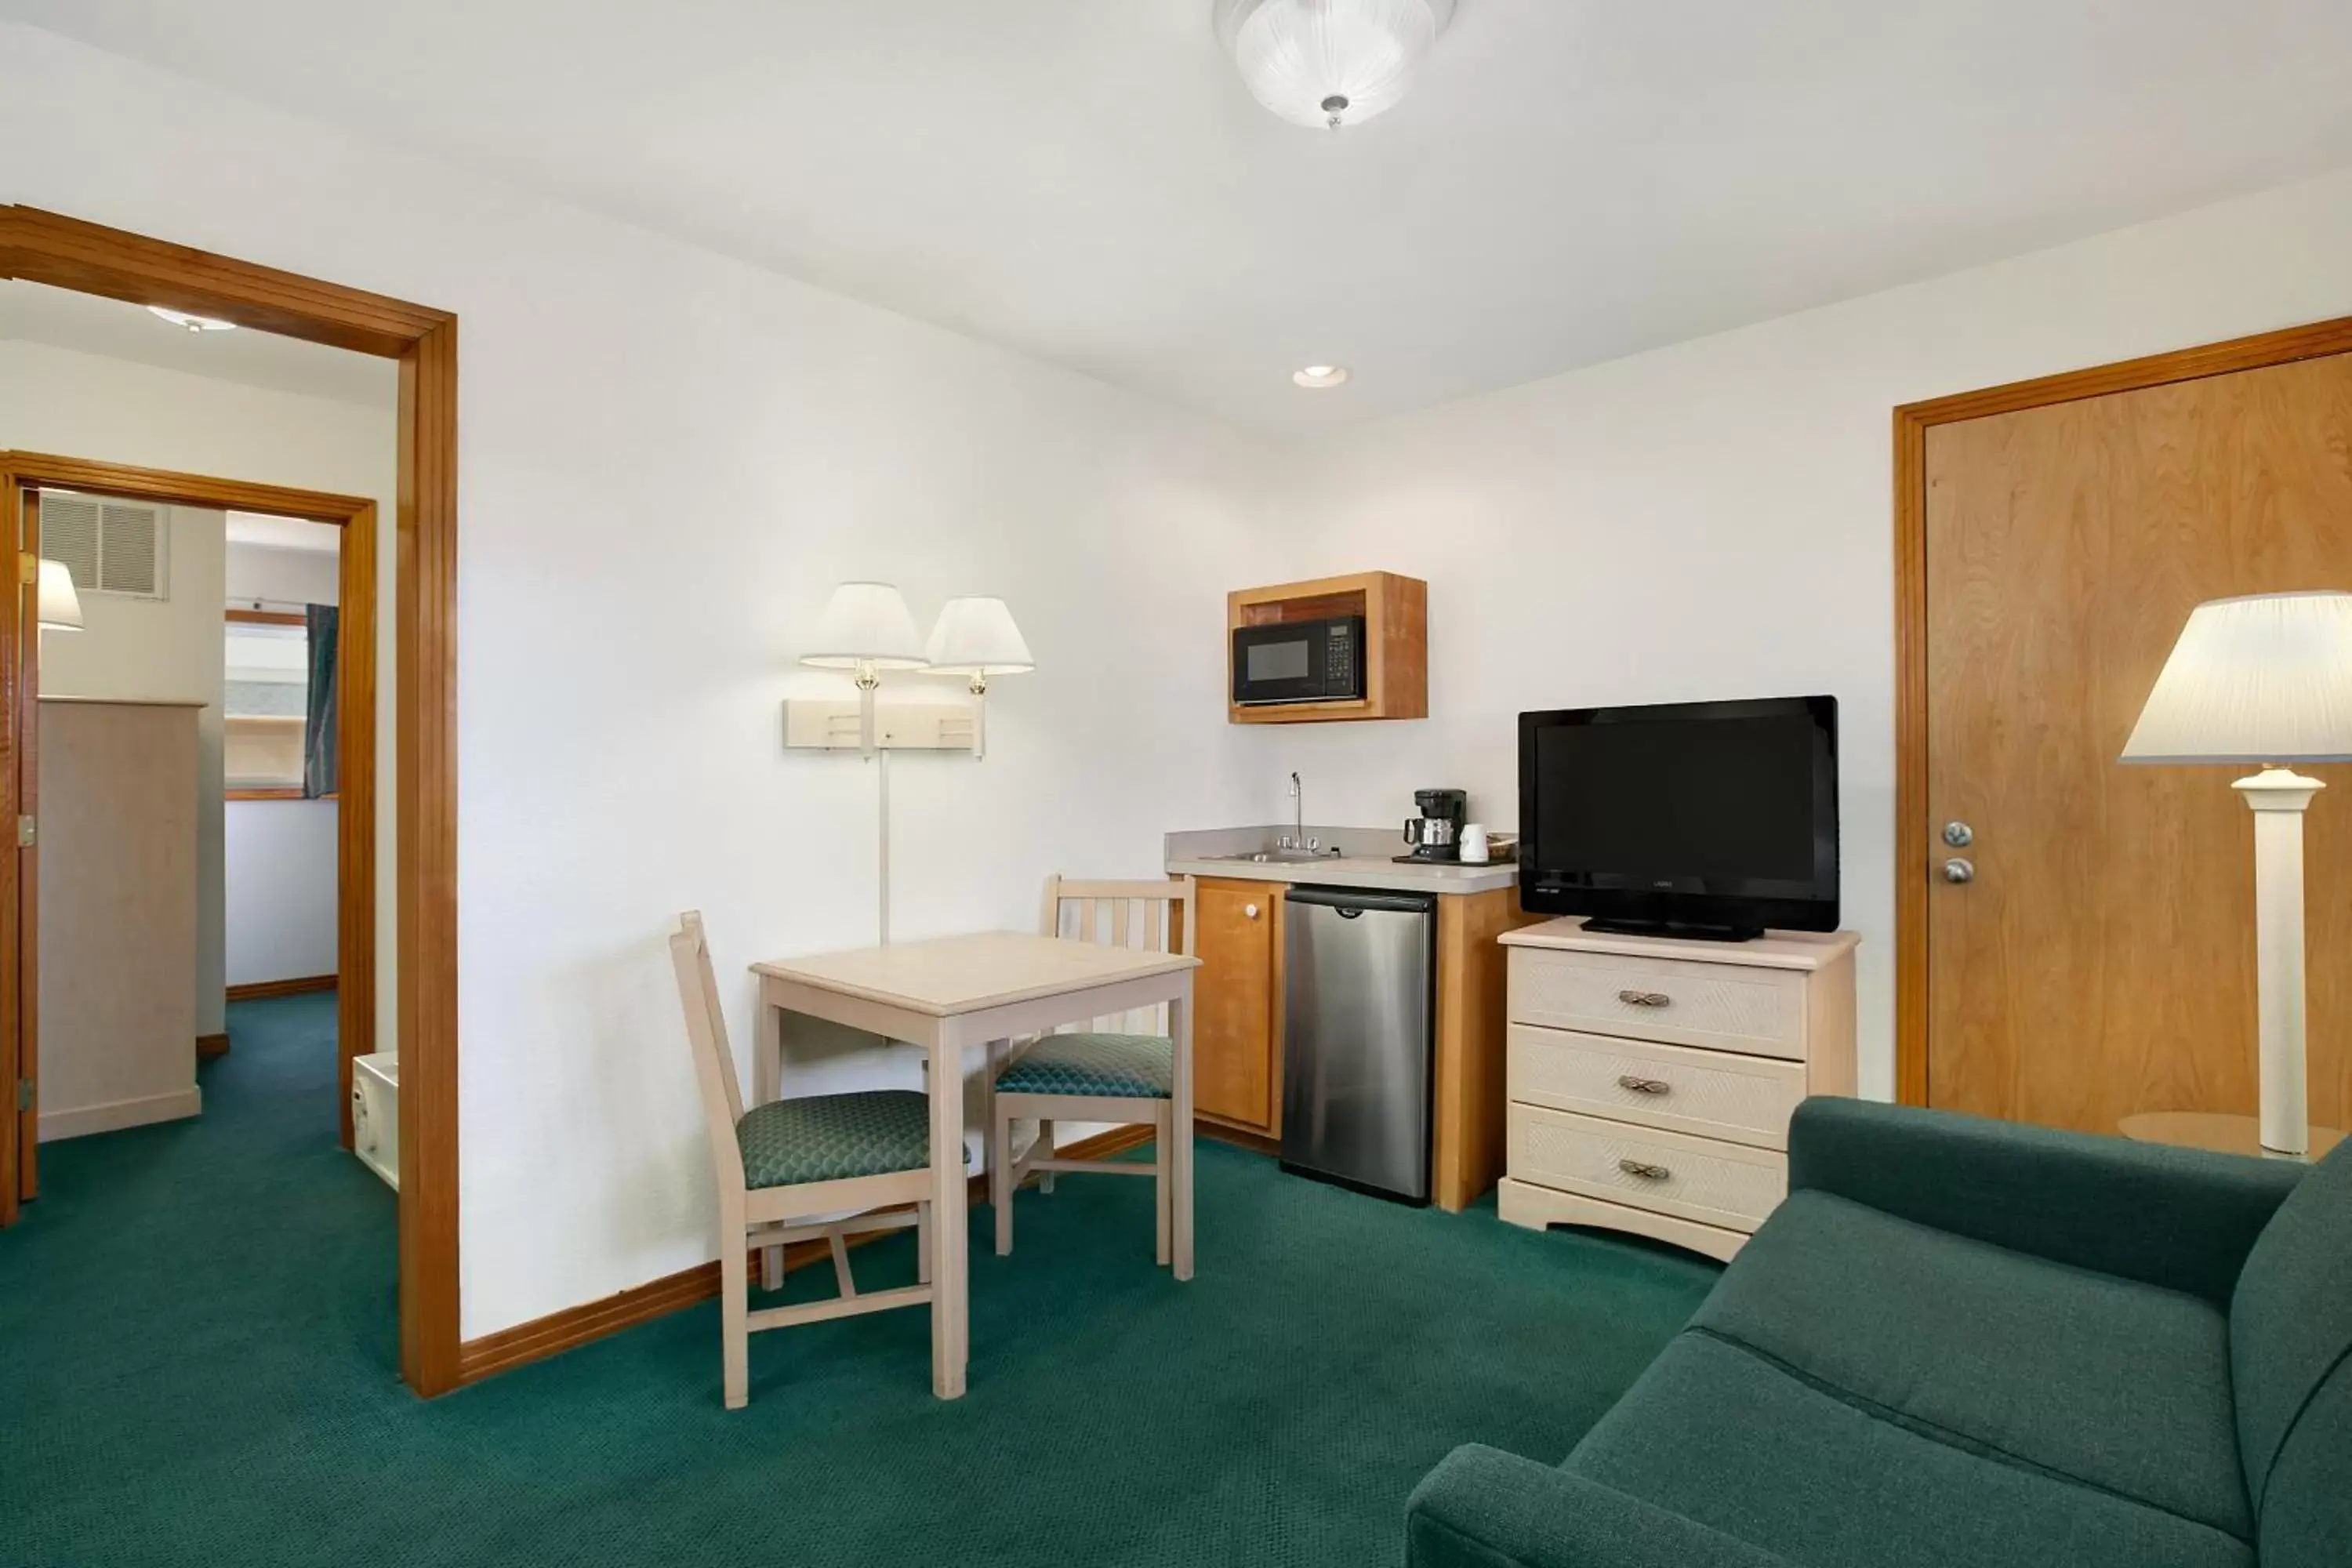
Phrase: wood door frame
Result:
[355,721]
[1913,823]
[68,253]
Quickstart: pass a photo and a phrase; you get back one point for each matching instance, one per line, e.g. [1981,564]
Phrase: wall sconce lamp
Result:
[865,629]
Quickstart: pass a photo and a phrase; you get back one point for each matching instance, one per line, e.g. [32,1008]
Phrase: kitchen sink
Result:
[1282,856]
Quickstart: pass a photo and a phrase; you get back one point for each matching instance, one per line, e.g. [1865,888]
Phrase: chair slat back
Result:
[1144,916]
[706,1029]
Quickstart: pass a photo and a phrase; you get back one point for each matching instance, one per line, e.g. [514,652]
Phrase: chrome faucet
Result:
[1298,815]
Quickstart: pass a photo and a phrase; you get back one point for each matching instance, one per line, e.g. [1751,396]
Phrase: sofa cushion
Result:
[2096,1379]
[2291,1319]
[1721,1436]
[2306,1514]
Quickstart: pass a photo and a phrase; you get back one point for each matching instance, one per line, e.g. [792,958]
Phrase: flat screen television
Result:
[1703,819]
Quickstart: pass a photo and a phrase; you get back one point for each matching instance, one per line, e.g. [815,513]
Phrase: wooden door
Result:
[2102,960]
[1233,1004]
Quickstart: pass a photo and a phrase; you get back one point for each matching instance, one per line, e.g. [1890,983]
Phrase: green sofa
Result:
[1963,1343]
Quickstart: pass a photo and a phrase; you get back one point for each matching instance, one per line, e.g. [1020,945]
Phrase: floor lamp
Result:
[865,629]
[2263,680]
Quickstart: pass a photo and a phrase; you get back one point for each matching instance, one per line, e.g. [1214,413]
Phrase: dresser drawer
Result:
[1713,1007]
[1719,1183]
[1713,1094]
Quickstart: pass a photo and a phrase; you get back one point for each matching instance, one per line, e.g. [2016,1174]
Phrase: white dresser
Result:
[1650,1079]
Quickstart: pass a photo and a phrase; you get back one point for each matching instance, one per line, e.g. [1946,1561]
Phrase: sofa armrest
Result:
[1482,1507]
[2181,1219]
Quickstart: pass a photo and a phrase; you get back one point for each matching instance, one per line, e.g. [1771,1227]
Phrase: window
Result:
[265,703]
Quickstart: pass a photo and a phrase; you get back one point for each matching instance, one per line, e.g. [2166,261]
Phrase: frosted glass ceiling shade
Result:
[976,637]
[866,623]
[60,606]
[2266,678]
[1329,62]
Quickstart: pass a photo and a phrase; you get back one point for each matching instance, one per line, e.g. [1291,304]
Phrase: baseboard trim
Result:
[114,1115]
[211,1044]
[1239,1137]
[576,1326]
[254,991]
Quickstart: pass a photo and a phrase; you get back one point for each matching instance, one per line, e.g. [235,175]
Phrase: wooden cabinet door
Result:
[1234,1003]
[2100,962]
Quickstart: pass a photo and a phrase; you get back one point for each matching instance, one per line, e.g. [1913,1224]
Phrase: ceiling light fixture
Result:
[193,323]
[1329,63]
[1316,377]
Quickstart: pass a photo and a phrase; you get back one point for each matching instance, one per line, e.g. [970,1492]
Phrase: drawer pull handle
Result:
[1646,1172]
[1644,998]
[1643,1085]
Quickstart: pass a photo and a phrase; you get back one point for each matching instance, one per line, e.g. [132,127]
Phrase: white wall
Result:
[161,648]
[1715,519]
[288,576]
[666,461]
[280,888]
[85,405]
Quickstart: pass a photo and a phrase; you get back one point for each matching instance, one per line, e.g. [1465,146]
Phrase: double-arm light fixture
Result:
[866,630]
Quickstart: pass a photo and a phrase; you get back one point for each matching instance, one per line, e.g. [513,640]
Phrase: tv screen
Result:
[1717,816]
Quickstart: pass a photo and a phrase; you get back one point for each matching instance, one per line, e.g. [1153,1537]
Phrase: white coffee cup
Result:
[1473,843]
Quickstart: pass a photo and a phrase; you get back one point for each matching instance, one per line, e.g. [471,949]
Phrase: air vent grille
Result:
[109,546]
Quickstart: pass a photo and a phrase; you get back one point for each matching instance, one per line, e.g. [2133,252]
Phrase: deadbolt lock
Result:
[1958,835]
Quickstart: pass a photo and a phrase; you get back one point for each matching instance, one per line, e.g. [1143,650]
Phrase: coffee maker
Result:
[1436,833]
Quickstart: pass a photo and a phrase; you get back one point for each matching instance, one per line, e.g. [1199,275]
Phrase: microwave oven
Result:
[1300,661]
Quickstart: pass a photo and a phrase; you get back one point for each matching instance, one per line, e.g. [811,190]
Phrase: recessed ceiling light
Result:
[193,323]
[1315,377]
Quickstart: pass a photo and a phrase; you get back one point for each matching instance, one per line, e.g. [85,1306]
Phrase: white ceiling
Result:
[284,533]
[60,317]
[1088,181]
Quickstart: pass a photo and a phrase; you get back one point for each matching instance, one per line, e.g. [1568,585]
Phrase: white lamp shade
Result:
[976,637]
[2266,678]
[866,623]
[60,606]
[1329,62]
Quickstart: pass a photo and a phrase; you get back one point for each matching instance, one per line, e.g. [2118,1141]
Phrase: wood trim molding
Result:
[266,794]
[68,253]
[237,617]
[209,1046]
[576,1326]
[256,990]
[1912,826]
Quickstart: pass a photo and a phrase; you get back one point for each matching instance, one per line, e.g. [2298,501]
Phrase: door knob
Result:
[1957,870]
[1958,835]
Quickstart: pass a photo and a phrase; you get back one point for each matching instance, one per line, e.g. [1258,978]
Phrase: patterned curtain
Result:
[321,758]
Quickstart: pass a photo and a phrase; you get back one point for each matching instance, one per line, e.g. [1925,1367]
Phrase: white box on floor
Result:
[376,1114]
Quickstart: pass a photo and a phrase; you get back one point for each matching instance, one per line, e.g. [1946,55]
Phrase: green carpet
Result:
[198,1366]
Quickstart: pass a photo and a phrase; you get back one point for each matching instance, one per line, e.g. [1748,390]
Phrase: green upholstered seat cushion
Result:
[2095,1379]
[830,1136]
[1718,1435]
[2291,1323]
[2305,1518]
[1121,1066]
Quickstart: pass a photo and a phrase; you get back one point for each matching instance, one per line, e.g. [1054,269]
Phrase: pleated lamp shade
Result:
[976,635]
[2264,678]
[1329,62]
[866,623]
[60,606]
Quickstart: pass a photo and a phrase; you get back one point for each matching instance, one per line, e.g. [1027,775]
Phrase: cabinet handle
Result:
[1644,998]
[1645,1172]
[1643,1085]
[1250,910]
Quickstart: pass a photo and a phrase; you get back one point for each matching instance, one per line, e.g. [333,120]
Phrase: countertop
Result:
[1363,861]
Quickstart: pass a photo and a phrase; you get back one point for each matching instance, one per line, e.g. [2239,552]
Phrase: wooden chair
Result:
[791,1159]
[1122,1074]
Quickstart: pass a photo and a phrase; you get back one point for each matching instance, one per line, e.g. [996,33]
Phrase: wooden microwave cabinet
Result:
[1237,1026]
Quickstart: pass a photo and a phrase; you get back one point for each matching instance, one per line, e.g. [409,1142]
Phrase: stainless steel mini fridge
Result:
[1359,969]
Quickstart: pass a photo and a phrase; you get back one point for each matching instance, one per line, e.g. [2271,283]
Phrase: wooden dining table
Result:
[948,995]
